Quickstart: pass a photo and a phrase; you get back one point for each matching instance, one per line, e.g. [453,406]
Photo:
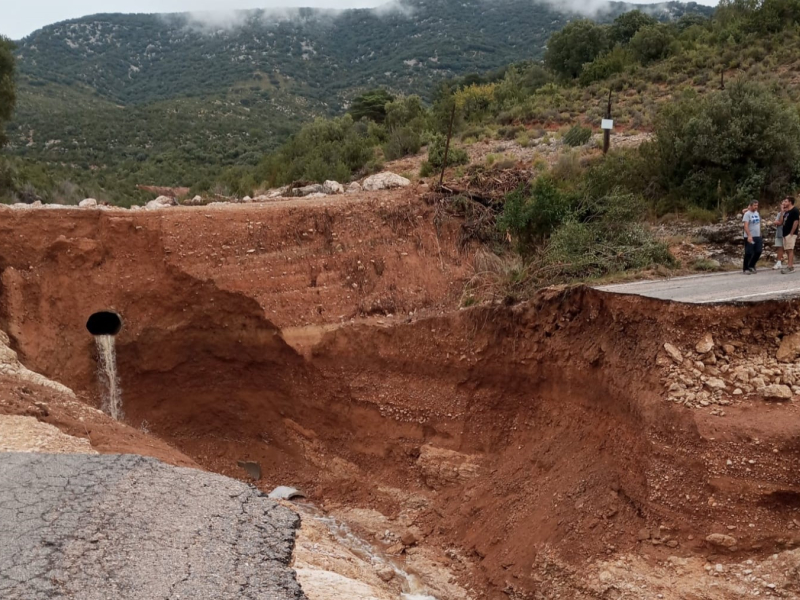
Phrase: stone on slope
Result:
[790,348]
[354,188]
[720,540]
[307,190]
[674,353]
[332,187]
[385,181]
[705,345]
[776,392]
[160,202]
[88,203]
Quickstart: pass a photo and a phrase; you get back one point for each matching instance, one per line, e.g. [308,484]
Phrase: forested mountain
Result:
[126,99]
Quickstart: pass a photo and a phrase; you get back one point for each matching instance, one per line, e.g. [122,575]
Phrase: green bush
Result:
[730,145]
[577,136]
[627,24]
[371,105]
[402,142]
[579,250]
[578,43]
[651,43]
[530,217]
[436,148]
[605,66]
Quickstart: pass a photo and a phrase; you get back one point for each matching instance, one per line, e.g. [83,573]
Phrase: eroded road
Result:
[717,287]
[93,527]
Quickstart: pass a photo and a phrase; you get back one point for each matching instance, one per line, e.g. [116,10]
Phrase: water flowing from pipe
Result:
[107,374]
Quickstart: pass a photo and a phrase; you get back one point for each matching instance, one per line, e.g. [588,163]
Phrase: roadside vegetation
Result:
[717,98]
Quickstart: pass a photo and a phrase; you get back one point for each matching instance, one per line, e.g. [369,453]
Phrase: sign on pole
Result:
[607,124]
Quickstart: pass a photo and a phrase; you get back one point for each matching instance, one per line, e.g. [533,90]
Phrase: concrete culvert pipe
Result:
[104,323]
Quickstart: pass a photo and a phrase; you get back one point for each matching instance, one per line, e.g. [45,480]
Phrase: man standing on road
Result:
[779,233]
[753,244]
[790,222]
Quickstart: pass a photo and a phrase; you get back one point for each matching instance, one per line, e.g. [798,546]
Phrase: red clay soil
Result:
[510,433]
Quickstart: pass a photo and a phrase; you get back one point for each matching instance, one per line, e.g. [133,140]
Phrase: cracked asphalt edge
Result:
[90,527]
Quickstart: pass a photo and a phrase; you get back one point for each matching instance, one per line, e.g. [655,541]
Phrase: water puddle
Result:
[107,374]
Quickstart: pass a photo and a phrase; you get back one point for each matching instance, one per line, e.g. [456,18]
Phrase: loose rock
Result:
[385,181]
[777,392]
[721,540]
[705,345]
[674,353]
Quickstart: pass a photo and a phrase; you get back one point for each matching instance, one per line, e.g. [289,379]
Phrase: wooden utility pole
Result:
[607,132]
[447,145]
[722,78]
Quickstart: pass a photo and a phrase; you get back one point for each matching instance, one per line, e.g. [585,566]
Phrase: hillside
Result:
[115,100]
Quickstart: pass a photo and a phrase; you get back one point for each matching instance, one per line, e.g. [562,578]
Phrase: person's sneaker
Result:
[786,270]
[748,272]
[778,266]
[754,270]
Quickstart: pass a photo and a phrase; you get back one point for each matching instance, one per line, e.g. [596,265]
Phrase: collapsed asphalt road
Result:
[732,286]
[122,526]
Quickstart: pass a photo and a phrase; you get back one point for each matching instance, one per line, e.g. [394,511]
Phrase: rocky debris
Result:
[132,527]
[27,434]
[727,232]
[196,201]
[408,538]
[284,492]
[317,195]
[776,392]
[277,192]
[721,540]
[354,188]
[10,365]
[385,572]
[789,349]
[721,376]
[307,190]
[384,181]
[674,353]
[160,202]
[88,203]
[441,467]
[332,188]
[705,345]
[247,200]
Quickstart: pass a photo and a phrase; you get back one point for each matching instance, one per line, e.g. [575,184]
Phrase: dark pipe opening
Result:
[104,323]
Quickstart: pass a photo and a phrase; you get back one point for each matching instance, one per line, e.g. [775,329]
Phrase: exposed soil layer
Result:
[513,444]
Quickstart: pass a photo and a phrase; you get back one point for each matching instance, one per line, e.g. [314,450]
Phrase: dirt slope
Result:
[532,449]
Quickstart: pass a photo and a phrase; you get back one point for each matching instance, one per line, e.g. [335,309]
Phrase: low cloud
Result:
[210,21]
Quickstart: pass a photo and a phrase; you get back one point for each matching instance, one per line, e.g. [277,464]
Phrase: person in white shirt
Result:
[753,244]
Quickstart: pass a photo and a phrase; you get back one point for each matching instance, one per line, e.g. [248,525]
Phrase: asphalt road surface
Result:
[733,286]
[91,527]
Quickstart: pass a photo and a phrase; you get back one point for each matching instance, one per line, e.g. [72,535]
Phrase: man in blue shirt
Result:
[753,244]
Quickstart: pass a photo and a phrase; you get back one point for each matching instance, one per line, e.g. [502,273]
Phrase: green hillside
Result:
[109,101]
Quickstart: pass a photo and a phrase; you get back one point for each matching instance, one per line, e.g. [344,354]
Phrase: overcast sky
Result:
[21,17]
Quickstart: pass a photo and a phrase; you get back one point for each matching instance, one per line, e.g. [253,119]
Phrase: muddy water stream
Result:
[411,585]
[107,374]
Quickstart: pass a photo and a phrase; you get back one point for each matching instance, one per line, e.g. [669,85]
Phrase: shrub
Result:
[577,136]
[531,217]
[579,250]
[578,43]
[371,105]
[651,43]
[402,142]
[627,24]
[735,144]
[436,148]
[605,66]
